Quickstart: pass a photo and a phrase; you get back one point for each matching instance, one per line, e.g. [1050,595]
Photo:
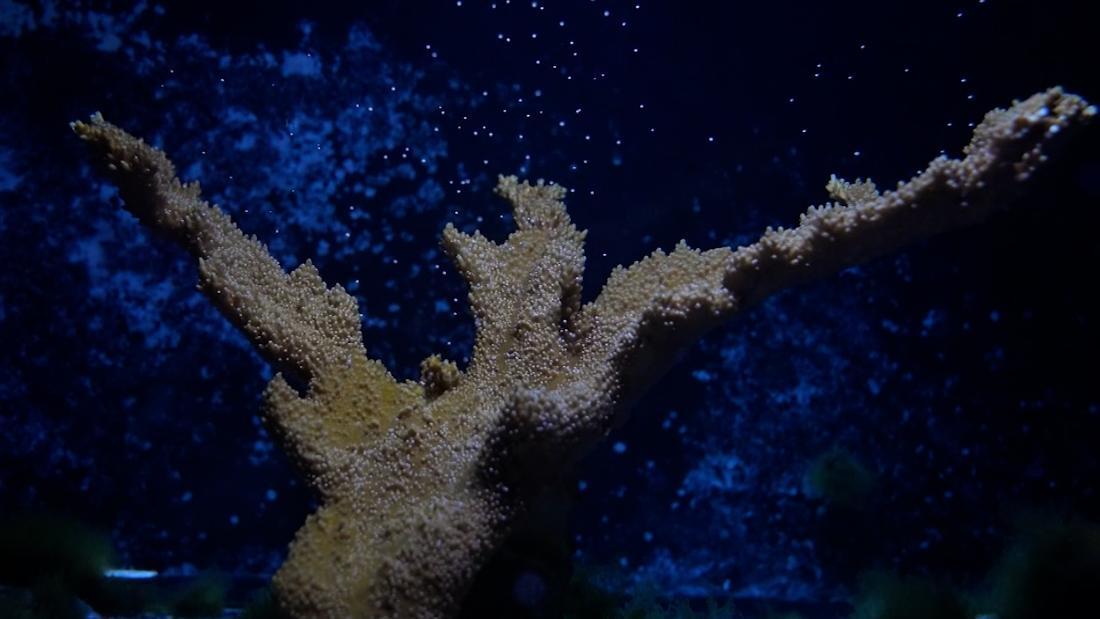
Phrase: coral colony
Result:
[420,481]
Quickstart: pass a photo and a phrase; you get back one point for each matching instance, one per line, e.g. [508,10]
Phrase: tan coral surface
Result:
[419,482]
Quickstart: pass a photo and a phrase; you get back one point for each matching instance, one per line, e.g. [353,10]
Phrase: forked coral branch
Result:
[420,482]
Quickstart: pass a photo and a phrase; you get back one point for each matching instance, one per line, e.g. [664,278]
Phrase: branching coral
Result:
[419,482]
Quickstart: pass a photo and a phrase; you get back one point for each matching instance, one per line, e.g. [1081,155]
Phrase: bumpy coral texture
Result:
[419,482]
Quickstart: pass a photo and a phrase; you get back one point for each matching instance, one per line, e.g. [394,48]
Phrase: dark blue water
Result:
[958,376]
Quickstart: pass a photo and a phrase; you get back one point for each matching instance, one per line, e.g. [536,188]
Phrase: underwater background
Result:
[917,415]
